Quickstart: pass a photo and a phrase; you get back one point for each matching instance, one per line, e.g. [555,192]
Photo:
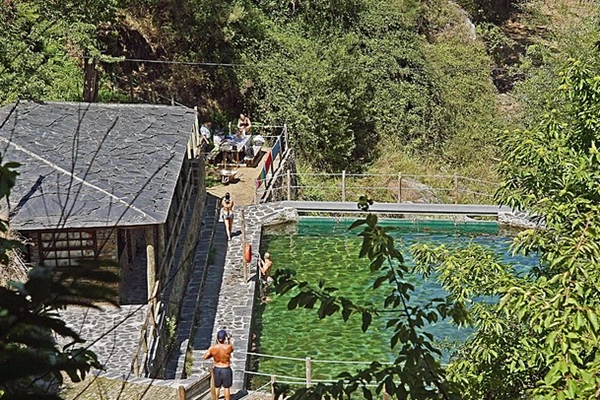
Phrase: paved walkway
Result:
[112,333]
[195,289]
[228,300]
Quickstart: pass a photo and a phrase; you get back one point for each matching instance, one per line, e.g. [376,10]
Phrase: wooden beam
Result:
[150,260]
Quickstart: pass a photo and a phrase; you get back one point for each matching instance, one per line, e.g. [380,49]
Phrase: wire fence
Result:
[306,364]
[388,188]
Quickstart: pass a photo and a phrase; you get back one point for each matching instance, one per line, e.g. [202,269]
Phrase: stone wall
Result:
[182,267]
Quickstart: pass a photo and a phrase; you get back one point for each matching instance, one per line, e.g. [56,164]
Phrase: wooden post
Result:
[285,135]
[131,96]
[150,260]
[196,134]
[213,389]
[160,251]
[255,192]
[245,263]
[273,387]
[399,187]
[289,185]
[455,188]
[181,392]
[343,186]
[308,372]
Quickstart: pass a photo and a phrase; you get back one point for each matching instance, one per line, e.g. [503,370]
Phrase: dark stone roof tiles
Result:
[93,165]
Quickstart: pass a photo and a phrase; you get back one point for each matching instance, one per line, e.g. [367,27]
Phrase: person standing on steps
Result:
[227,214]
[221,355]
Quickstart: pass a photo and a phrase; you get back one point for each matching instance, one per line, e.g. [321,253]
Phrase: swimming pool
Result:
[321,248]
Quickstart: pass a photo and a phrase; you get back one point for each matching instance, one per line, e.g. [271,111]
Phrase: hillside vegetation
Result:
[364,85]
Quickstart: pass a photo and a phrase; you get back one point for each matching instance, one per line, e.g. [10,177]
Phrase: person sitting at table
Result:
[244,125]
[205,134]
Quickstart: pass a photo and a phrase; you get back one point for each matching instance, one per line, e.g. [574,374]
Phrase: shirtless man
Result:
[227,213]
[221,355]
[244,125]
[265,268]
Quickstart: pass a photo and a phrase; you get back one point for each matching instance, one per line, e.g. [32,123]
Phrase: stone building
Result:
[111,182]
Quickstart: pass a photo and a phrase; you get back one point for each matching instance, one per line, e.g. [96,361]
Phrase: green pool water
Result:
[319,248]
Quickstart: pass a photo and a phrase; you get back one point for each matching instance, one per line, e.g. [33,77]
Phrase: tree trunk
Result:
[90,79]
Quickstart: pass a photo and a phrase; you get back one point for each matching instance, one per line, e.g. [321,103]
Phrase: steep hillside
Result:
[363,84]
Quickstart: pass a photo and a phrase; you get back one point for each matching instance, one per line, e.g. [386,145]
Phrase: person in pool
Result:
[221,355]
[227,214]
[265,268]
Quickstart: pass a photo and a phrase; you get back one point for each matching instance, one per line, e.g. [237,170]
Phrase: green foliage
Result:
[552,170]
[459,73]
[31,361]
[30,358]
[497,43]
[542,339]
[351,90]
[42,45]
[543,63]
[489,10]
[307,88]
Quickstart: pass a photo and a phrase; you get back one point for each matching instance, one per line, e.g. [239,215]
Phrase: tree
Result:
[42,48]
[542,339]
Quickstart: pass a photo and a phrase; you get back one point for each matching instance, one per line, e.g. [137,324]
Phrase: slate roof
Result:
[93,165]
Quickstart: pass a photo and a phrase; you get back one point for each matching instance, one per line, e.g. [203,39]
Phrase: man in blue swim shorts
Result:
[221,355]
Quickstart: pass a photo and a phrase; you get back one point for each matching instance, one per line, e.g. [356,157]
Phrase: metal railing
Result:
[273,162]
[390,188]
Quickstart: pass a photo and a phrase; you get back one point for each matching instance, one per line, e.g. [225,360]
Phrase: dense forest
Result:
[374,85]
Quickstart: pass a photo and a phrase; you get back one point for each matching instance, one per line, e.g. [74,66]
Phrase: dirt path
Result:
[241,189]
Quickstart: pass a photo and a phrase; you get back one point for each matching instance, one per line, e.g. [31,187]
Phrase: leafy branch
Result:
[416,371]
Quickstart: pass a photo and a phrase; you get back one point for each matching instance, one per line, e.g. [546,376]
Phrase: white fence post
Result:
[308,372]
[399,187]
[343,186]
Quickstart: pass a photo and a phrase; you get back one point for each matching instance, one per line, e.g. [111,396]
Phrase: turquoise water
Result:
[324,249]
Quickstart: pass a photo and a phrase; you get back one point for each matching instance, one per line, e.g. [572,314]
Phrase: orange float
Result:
[248,252]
